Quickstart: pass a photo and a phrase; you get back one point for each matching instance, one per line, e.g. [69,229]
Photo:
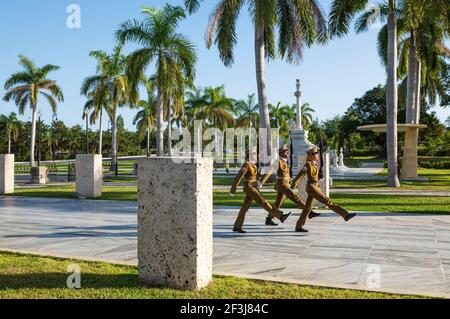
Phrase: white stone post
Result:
[409,162]
[39,175]
[175,241]
[324,183]
[6,174]
[89,176]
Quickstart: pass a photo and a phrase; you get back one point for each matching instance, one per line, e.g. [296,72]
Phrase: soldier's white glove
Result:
[260,185]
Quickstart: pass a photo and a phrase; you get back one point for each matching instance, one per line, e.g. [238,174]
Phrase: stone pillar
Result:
[39,175]
[324,183]
[410,162]
[89,175]
[175,243]
[6,174]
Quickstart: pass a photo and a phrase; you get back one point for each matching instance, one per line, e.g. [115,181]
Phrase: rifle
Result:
[320,144]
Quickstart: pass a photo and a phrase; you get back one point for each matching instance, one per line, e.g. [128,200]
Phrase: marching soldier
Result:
[249,171]
[311,170]
[284,185]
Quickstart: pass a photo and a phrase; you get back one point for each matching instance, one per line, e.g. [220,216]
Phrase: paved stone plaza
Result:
[412,252]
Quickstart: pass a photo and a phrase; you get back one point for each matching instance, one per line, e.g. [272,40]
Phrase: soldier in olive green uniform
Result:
[315,193]
[249,171]
[284,185]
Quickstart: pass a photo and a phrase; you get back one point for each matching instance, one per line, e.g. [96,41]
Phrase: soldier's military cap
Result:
[253,150]
[313,150]
[284,148]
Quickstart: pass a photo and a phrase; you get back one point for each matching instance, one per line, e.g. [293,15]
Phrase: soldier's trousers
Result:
[253,194]
[285,191]
[314,192]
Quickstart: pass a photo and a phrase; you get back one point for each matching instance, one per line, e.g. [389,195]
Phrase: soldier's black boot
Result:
[300,230]
[284,217]
[349,216]
[313,215]
[239,230]
[270,222]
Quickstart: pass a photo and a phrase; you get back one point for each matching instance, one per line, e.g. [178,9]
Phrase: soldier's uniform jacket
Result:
[311,171]
[249,172]
[283,173]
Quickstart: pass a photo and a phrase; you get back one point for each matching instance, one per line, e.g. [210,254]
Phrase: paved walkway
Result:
[411,252]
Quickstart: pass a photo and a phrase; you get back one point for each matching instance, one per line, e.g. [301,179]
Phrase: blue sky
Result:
[332,76]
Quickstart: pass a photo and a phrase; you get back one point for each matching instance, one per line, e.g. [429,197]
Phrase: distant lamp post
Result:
[298,95]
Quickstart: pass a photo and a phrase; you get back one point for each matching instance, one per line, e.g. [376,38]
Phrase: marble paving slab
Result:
[399,253]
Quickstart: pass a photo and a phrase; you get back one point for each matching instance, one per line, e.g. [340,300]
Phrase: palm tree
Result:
[298,23]
[26,86]
[10,126]
[214,107]
[247,111]
[421,33]
[95,106]
[174,55]
[110,84]
[307,115]
[145,119]
[341,15]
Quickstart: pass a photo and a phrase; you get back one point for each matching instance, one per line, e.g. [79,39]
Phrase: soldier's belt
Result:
[251,180]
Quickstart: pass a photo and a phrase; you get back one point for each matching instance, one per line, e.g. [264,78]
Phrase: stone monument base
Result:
[89,176]
[175,239]
[39,175]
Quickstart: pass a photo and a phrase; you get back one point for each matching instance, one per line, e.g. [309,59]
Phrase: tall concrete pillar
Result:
[410,162]
[175,243]
[6,174]
[89,176]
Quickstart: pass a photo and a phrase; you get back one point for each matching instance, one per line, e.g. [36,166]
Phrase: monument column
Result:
[299,137]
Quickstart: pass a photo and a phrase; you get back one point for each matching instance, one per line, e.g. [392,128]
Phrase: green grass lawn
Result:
[35,277]
[438,180]
[357,202]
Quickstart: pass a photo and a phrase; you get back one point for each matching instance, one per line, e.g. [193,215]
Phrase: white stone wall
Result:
[6,174]
[175,240]
[89,176]
[324,183]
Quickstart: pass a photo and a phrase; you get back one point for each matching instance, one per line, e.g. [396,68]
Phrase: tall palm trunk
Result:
[169,131]
[261,84]
[100,133]
[411,99]
[148,141]
[419,92]
[392,98]
[33,135]
[9,141]
[160,121]
[114,139]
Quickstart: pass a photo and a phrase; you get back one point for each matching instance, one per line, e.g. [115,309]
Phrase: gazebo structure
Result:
[409,162]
